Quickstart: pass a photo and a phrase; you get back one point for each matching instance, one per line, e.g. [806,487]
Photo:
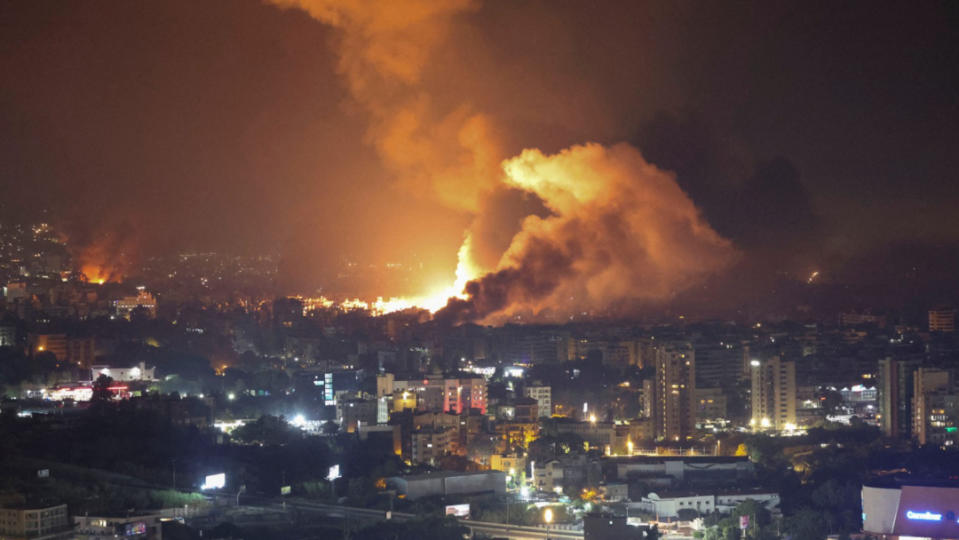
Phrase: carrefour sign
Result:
[923,516]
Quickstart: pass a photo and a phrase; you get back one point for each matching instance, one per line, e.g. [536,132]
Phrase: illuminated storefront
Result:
[899,512]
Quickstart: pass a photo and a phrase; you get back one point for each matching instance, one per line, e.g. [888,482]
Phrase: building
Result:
[614,491]
[891,511]
[75,350]
[8,336]
[427,444]
[438,393]
[710,403]
[513,435]
[526,409]
[675,389]
[773,397]
[354,412]
[597,434]
[933,405]
[860,319]
[942,320]
[56,344]
[81,351]
[511,464]
[895,396]
[143,300]
[700,471]
[447,483]
[569,472]
[51,523]
[543,396]
[605,526]
[668,505]
[146,527]
[384,384]
[139,372]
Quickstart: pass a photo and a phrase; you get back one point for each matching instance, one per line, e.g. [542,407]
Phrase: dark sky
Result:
[822,131]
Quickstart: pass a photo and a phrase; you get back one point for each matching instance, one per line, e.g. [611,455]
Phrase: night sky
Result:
[813,136]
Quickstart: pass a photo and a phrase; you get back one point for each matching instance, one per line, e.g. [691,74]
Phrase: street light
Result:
[548,518]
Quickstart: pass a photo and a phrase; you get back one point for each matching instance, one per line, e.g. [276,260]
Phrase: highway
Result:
[497,530]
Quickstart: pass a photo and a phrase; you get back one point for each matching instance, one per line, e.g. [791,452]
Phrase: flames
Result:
[431,301]
[617,231]
[104,258]
[95,273]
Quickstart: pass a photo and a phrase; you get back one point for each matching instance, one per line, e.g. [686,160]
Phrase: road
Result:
[499,530]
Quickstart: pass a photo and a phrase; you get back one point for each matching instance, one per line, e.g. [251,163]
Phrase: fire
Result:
[432,301]
[95,273]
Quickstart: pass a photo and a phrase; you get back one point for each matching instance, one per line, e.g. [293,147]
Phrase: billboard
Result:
[214,481]
[135,529]
[334,473]
[458,510]
[329,397]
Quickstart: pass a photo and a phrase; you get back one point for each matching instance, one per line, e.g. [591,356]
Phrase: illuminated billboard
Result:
[458,510]
[328,396]
[214,481]
[135,529]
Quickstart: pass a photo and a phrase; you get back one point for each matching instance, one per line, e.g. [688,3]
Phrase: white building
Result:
[139,372]
[544,398]
[668,505]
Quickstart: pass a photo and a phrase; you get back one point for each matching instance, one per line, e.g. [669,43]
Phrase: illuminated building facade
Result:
[139,372]
[773,397]
[675,389]
[544,398]
[895,396]
[942,320]
[437,393]
[142,300]
[428,444]
[50,523]
[934,406]
[915,511]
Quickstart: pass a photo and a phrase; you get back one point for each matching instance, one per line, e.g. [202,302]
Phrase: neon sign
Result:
[923,516]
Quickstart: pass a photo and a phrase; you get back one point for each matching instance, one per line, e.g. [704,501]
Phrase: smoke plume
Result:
[620,230]
[105,257]
[451,154]
[610,228]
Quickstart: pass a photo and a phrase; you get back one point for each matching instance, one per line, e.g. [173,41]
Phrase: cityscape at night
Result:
[477,269]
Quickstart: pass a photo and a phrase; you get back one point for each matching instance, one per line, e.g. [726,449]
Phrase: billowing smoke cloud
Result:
[452,155]
[614,229]
[620,230]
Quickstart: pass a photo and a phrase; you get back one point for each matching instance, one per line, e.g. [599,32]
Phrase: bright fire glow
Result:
[432,301]
[95,273]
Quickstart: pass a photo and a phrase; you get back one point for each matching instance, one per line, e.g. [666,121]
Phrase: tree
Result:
[267,430]
[806,524]
[101,389]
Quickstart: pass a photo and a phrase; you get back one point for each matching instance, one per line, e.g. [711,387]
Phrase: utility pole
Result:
[173,462]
